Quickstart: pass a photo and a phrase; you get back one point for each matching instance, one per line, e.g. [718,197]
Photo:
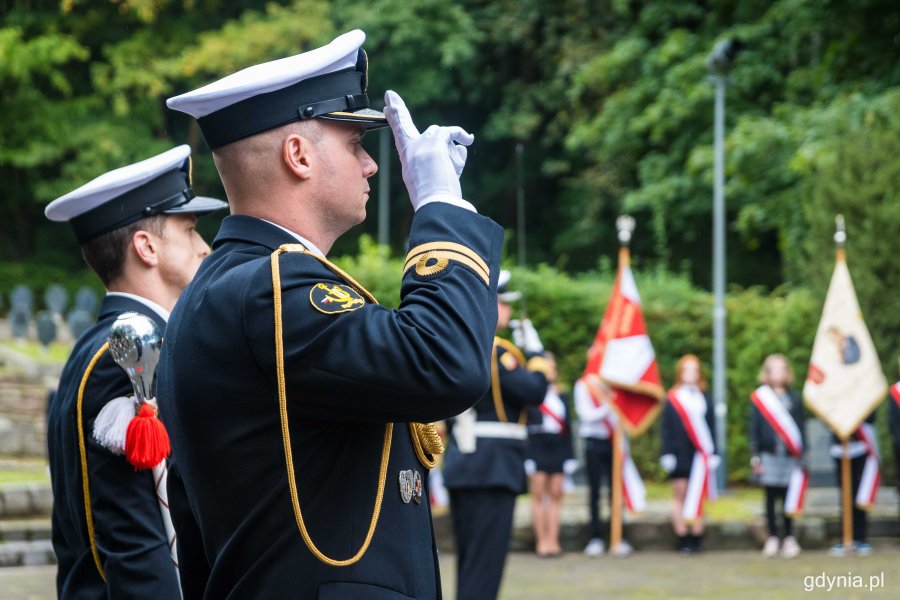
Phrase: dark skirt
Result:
[548,451]
[682,468]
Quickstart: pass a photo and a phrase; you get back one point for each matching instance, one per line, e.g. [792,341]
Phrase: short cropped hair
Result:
[105,254]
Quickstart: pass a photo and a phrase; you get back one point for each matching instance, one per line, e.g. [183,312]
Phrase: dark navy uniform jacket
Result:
[676,441]
[350,367]
[497,462]
[129,530]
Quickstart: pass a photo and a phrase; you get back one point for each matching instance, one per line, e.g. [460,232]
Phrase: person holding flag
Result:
[777,444]
[620,392]
[597,422]
[688,452]
[844,385]
[865,477]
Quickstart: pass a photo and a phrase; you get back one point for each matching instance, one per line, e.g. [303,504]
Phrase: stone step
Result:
[25,500]
[25,530]
[26,553]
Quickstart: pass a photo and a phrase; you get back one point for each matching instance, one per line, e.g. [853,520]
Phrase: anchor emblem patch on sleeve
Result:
[332,298]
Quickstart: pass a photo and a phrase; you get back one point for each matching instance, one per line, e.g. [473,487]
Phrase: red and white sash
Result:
[553,410]
[895,392]
[772,409]
[702,481]
[632,485]
[871,475]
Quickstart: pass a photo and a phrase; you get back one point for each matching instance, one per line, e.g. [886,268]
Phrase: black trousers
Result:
[860,517]
[482,524]
[598,455]
[775,496]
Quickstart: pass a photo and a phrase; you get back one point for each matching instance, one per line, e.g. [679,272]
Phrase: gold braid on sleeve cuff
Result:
[433,257]
[538,364]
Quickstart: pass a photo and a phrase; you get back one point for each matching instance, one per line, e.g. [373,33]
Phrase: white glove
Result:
[525,336]
[570,465]
[714,462]
[668,462]
[432,161]
[530,467]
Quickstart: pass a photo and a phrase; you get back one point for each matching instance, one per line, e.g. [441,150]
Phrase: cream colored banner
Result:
[844,382]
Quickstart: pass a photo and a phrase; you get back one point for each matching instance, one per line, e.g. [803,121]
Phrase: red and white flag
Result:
[622,355]
[775,413]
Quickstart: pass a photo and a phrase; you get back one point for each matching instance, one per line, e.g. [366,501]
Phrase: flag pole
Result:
[625,227]
[846,497]
[840,239]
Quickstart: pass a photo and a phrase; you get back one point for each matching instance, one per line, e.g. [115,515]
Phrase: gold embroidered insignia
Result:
[508,361]
[332,298]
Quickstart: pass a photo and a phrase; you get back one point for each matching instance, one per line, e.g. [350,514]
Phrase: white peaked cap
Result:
[328,82]
[157,185]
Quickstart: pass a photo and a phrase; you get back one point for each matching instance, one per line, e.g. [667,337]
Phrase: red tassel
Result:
[146,441]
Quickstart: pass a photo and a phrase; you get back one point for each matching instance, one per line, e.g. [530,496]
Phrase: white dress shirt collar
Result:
[309,245]
[148,303]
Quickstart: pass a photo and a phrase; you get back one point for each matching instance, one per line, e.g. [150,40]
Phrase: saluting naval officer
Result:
[294,401]
[136,229]
[484,466]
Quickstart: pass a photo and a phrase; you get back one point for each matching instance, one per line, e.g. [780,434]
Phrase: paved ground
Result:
[731,575]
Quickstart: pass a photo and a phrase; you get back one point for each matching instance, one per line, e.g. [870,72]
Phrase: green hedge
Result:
[566,309]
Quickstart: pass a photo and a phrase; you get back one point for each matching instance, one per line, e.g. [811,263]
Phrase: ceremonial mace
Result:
[134,343]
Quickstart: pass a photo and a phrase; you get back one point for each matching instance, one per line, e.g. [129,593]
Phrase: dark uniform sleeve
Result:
[521,386]
[711,421]
[755,430]
[799,414]
[670,424]
[426,361]
[570,448]
[129,530]
[193,566]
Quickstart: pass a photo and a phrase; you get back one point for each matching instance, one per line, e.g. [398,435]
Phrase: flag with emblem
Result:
[622,354]
[844,383]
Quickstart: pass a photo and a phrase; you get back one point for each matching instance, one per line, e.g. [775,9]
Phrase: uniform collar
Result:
[309,245]
[252,230]
[116,303]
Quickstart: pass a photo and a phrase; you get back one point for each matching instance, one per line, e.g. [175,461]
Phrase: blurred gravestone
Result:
[79,321]
[56,298]
[46,328]
[22,297]
[19,318]
[86,300]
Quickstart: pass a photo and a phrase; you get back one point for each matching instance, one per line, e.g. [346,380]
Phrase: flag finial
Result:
[840,234]
[625,226]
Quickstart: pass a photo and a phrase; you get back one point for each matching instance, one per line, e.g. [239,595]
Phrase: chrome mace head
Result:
[135,342]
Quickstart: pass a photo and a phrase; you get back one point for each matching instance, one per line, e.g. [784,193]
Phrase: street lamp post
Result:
[384,186]
[719,63]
